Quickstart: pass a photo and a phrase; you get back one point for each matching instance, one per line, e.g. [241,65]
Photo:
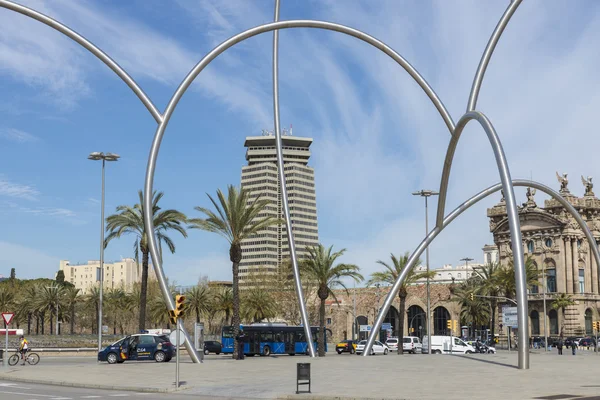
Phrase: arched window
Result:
[392,318]
[588,322]
[535,323]
[550,275]
[459,275]
[553,317]
[578,243]
[440,317]
[417,325]
[548,242]
[530,246]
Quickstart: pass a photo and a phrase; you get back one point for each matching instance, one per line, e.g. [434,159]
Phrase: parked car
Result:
[138,347]
[392,343]
[412,344]
[378,347]
[569,341]
[447,345]
[587,342]
[212,346]
[346,346]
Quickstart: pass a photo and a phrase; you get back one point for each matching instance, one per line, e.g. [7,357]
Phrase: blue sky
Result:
[377,137]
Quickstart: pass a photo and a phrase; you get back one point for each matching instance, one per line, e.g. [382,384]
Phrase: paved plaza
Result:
[339,376]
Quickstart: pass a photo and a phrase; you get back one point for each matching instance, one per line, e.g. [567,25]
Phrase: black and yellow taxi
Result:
[138,347]
[346,346]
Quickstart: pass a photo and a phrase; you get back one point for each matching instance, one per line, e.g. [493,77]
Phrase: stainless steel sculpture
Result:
[506,184]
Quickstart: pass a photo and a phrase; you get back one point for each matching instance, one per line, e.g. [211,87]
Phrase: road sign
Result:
[173,337]
[365,328]
[509,316]
[386,326]
[7,317]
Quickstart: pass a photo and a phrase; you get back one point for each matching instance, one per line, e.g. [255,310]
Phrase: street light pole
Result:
[426,194]
[96,156]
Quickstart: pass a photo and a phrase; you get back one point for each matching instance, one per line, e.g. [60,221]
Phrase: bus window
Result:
[266,337]
[228,332]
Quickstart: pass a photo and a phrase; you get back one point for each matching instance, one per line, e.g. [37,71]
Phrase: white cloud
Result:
[16,135]
[17,190]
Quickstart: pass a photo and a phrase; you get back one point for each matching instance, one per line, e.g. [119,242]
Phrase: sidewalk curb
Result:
[90,385]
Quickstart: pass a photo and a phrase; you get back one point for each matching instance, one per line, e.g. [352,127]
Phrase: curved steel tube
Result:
[284,196]
[112,64]
[139,93]
[487,54]
[151,166]
[453,215]
[511,208]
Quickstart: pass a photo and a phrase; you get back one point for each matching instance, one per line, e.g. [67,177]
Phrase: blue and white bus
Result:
[267,339]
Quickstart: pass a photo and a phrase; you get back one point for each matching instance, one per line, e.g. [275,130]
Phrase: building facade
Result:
[561,253]
[362,304]
[266,251]
[117,274]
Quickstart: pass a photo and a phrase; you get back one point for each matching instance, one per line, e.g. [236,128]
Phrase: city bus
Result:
[267,339]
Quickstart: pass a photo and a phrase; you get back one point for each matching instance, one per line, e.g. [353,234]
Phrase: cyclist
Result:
[23,346]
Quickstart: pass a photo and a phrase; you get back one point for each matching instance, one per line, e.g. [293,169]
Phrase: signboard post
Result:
[510,320]
[7,317]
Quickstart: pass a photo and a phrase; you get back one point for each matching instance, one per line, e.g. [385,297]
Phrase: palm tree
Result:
[224,304]
[7,299]
[473,309]
[92,302]
[258,305]
[561,302]
[318,267]
[236,218]
[71,298]
[48,300]
[389,275]
[506,277]
[489,284]
[131,220]
[198,299]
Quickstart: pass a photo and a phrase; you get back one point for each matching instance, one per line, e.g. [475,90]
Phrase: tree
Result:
[49,300]
[258,305]
[71,298]
[489,285]
[13,274]
[389,275]
[60,277]
[198,299]
[237,217]
[474,310]
[506,277]
[562,301]
[318,267]
[130,220]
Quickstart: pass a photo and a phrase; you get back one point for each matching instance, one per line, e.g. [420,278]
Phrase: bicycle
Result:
[31,358]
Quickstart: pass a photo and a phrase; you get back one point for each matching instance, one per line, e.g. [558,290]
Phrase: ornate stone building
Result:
[561,253]
[340,314]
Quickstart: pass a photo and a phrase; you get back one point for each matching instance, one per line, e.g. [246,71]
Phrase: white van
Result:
[447,345]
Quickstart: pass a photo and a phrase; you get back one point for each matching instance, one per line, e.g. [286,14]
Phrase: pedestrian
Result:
[573,346]
[23,347]
[241,338]
[559,346]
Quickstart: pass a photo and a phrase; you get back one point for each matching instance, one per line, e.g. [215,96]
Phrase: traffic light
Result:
[471,296]
[449,324]
[179,311]
[455,325]
[595,325]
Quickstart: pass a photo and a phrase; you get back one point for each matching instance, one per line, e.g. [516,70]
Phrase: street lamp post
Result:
[96,156]
[427,194]
[545,315]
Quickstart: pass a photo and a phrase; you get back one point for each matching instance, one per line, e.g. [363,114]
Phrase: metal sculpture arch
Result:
[506,183]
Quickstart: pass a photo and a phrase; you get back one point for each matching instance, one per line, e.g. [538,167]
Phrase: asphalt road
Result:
[32,391]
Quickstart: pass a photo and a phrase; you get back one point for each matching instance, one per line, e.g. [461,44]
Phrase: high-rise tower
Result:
[266,251]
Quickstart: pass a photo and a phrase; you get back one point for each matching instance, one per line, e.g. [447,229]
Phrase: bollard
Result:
[302,374]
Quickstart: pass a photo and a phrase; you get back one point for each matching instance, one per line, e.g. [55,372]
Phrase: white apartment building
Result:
[267,250]
[117,274]
[460,273]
